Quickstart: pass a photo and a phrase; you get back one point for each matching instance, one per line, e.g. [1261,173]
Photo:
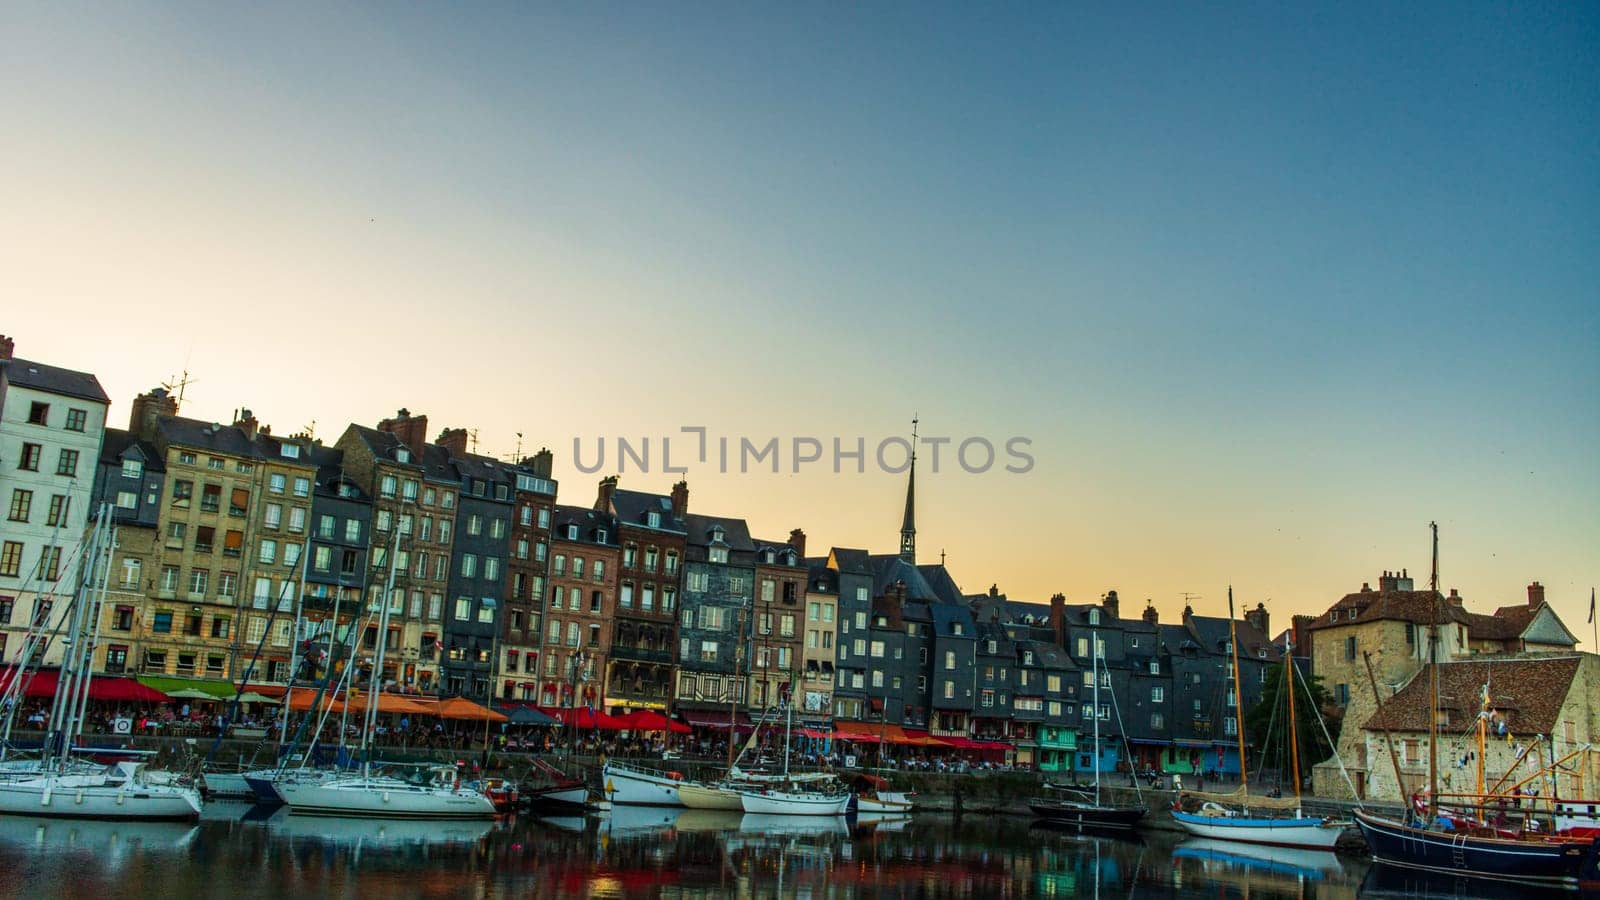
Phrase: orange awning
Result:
[462,708]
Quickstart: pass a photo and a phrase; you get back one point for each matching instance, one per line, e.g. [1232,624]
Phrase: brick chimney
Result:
[245,421]
[1455,598]
[608,486]
[8,345]
[680,499]
[1112,605]
[411,430]
[1259,618]
[453,440]
[1395,581]
[797,540]
[892,605]
[147,408]
[1058,618]
[541,463]
[1151,617]
[1535,595]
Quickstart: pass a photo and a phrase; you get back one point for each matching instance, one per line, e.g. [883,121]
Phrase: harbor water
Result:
[238,851]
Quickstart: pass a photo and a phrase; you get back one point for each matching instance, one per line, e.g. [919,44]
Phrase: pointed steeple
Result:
[908,527]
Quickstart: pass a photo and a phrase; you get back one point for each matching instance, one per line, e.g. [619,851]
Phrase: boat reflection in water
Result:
[636,821]
[110,845]
[370,832]
[1265,864]
[792,826]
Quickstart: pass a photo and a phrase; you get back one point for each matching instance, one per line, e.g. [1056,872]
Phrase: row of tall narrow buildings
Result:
[229,535]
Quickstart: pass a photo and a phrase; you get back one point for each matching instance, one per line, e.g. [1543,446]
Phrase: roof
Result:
[50,379]
[330,473]
[1211,632]
[735,532]
[930,583]
[1417,607]
[852,562]
[822,579]
[1047,655]
[587,521]
[116,444]
[631,507]
[1531,690]
[947,615]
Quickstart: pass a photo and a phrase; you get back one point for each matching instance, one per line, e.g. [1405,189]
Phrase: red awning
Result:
[108,688]
[584,717]
[650,720]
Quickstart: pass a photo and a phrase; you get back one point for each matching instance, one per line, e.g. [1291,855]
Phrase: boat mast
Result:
[1094,671]
[1433,707]
[375,683]
[1483,726]
[1377,701]
[1294,730]
[1238,693]
[733,694]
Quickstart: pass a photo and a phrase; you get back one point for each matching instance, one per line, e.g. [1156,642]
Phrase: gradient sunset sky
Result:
[1268,288]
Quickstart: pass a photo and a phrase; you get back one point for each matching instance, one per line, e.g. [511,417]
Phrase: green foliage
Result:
[1267,724]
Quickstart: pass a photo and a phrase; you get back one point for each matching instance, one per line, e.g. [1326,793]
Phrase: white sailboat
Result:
[795,795]
[437,794]
[60,785]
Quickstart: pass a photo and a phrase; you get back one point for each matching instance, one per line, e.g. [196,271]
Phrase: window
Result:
[1094,617]
[39,413]
[497,528]
[717,554]
[474,524]
[52,563]
[486,610]
[131,569]
[408,490]
[447,500]
[1158,694]
[10,558]
[708,651]
[132,468]
[1350,647]
[950,660]
[949,690]
[463,609]
[1155,667]
[199,580]
[67,463]
[297,520]
[698,581]
[1230,727]
[277,482]
[274,516]
[1052,683]
[269,551]
[672,562]
[877,649]
[1083,647]
[352,531]
[262,594]
[469,565]
[1157,720]
[21,505]
[387,485]
[127,500]
[1341,694]
[162,622]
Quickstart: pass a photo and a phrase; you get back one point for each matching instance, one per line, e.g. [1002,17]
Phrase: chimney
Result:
[147,408]
[1111,604]
[7,346]
[892,605]
[797,540]
[1259,618]
[608,486]
[680,499]
[994,590]
[453,440]
[1395,581]
[1455,598]
[540,463]
[1535,595]
[1058,618]
[1302,635]
[246,422]
[1151,617]
[411,430]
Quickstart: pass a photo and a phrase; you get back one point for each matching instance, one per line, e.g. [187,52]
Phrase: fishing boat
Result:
[630,785]
[1080,808]
[873,797]
[1465,845]
[808,794]
[60,784]
[1238,816]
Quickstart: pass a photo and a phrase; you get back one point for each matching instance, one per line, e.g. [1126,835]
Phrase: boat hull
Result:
[1088,815]
[79,797]
[1311,834]
[228,786]
[574,796]
[786,803]
[382,798]
[701,796]
[1556,863]
[884,803]
[635,787]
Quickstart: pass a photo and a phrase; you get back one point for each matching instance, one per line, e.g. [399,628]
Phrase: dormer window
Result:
[994,647]
[402,455]
[599,535]
[289,451]
[1261,652]
[789,558]
[1094,617]
[769,557]
[955,629]
[652,519]
[716,533]
[717,554]
[572,532]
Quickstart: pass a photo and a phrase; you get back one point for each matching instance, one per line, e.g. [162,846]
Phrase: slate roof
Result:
[383,445]
[40,376]
[330,473]
[736,532]
[778,548]
[929,583]
[821,578]
[1047,655]
[630,508]
[587,520]
[852,562]
[938,578]
[946,615]
[1532,692]
[1211,632]
[117,442]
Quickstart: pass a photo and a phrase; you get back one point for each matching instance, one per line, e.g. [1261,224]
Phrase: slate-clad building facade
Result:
[715,614]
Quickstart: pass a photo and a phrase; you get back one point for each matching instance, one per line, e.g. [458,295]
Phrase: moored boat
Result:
[634,786]
[440,796]
[1568,863]
[789,802]
[709,796]
[873,797]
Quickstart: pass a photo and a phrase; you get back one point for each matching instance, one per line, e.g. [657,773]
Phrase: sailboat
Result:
[63,786]
[1075,807]
[436,792]
[811,794]
[1233,817]
[1433,842]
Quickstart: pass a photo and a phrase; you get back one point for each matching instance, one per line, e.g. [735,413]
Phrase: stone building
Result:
[51,423]
[522,625]
[1548,699]
[814,692]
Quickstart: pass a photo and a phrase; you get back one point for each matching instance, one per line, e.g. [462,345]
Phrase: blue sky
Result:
[1269,287]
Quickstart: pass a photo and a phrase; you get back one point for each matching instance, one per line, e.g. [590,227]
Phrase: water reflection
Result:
[634,852]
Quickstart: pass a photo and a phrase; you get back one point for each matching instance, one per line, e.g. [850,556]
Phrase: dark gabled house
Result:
[336,576]
[954,669]
[852,571]
[645,646]
[715,617]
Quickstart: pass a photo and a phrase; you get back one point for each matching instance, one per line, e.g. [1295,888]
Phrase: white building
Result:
[51,424]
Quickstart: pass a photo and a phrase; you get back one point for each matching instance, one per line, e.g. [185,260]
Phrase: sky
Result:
[1267,288]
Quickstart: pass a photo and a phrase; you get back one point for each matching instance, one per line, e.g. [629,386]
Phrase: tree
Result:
[1267,724]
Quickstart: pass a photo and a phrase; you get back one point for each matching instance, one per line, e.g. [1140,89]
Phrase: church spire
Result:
[908,527]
